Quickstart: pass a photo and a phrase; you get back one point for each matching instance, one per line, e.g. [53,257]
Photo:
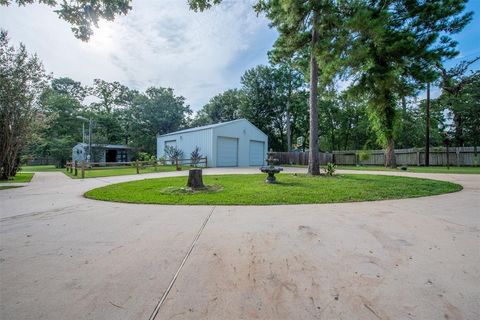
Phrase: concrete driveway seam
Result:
[175,276]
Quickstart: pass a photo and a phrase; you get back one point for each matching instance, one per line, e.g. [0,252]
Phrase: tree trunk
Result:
[404,121]
[457,120]
[475,154]
[313,161]
[195,180]
[347,133]
[289,120]
[427,126]
[448,157]
[390,160]
[289,131]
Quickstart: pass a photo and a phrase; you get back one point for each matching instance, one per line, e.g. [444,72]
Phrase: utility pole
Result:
[427,130]
[83,132]
[89,154]
[90,139]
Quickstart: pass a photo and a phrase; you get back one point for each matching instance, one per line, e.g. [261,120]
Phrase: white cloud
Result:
[159,43]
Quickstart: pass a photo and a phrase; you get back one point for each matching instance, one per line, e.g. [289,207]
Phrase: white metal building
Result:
[236,143]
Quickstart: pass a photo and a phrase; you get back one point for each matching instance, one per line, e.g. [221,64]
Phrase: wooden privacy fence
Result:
[461,156]
[458,156]
[79,168]
[300,158]
[41,161]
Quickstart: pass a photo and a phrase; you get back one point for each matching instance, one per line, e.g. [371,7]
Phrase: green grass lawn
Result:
[43,168]
[290,189]
[118,171]
[435,169]
[469,170]
[20,177]
[9,187]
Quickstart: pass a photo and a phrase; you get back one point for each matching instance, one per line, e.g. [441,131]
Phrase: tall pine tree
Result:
[396,43]
[308,31]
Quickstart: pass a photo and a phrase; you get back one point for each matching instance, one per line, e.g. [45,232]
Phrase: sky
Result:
[158,43]
[163,43]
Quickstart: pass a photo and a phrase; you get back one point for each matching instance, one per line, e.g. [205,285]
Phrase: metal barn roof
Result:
[106,146]
[210,126]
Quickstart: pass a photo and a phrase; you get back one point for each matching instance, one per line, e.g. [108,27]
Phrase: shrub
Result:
[195,156]
[24,160]
[363,155]
[144,156]
[174,154]
[330,169]
[153,162]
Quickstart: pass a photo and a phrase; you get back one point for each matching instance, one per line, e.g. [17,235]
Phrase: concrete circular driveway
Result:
[66,257]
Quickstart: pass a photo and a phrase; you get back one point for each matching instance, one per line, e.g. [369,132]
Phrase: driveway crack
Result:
[187,255]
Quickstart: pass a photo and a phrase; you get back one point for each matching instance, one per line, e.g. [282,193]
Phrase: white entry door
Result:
[227,152]
[257,153]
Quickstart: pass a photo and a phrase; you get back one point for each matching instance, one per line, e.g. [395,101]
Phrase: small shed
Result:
[236,143]
[102,152]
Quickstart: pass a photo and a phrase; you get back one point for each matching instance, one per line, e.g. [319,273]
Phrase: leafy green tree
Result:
[265,100]
[410,129]
[259,103]
[329,124]
[394,44]
[455,83]
[69,87]
[413,121]
[201,5]
[221,108]
[107,128]
[344,123]
[108,111]
[33,147]
[463,107]
[83,15]
[158,111]
[355,130]
[290,85]
[109,95]
[469,106]
[22,79]
[299,118]
[471,115]
[60,109]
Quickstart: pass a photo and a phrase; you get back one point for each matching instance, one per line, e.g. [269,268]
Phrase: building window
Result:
[122,156]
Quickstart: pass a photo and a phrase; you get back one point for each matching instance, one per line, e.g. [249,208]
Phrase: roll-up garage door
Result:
[256,153]
[227,152]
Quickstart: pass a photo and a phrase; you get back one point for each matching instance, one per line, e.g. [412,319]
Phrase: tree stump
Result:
[195,180]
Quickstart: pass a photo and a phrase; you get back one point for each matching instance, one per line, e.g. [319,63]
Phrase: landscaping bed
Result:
[291,189]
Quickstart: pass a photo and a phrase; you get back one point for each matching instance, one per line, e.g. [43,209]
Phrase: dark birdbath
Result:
[271,169]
